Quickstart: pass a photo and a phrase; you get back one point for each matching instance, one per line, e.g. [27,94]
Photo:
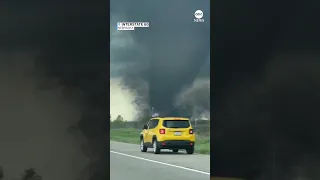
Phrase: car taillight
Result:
[190,131]
[162,131]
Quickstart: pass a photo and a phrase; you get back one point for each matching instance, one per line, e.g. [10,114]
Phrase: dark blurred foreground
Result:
[54,73]
[265,99]
[28,174]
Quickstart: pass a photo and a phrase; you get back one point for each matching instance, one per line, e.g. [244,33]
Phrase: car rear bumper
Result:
[179,144]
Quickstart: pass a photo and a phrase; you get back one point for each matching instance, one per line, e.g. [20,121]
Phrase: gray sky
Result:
[158,63]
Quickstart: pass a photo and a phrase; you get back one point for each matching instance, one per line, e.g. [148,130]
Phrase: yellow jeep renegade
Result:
[172,133]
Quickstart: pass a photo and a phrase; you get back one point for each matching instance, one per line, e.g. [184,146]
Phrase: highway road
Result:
[127,162]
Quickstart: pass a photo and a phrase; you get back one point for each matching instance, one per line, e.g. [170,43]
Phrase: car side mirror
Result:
[145,127]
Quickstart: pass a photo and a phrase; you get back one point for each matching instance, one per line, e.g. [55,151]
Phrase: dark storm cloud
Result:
[175,47]
[65,45]
[265,106]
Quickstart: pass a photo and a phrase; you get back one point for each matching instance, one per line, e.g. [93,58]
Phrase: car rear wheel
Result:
[156,149]
[190,150]
[175,150]
[143,148]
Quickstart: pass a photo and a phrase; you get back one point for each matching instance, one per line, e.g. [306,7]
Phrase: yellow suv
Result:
[172,133]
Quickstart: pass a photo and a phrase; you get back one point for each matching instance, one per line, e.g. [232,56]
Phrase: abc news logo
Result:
[198,16]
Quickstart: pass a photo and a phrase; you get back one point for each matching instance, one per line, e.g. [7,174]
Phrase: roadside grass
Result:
[126,135]
[130,135]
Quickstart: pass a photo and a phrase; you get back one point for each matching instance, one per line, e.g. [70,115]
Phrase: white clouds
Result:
[121,101]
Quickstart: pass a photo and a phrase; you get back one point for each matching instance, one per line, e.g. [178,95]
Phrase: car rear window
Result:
[176,123]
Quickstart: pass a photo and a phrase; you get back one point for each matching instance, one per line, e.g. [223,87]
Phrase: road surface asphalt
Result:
[128,162]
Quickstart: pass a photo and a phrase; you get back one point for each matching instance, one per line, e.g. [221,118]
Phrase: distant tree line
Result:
[120,122]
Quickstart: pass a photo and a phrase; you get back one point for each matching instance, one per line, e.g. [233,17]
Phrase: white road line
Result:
[158,162]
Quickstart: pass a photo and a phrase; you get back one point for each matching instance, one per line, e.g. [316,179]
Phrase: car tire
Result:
[156,149]
[190,150]
[175,150]
[143,148]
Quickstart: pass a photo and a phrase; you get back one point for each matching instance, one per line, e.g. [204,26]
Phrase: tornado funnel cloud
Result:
[161,61]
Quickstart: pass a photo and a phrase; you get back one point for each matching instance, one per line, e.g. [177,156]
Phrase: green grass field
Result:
[129,135]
